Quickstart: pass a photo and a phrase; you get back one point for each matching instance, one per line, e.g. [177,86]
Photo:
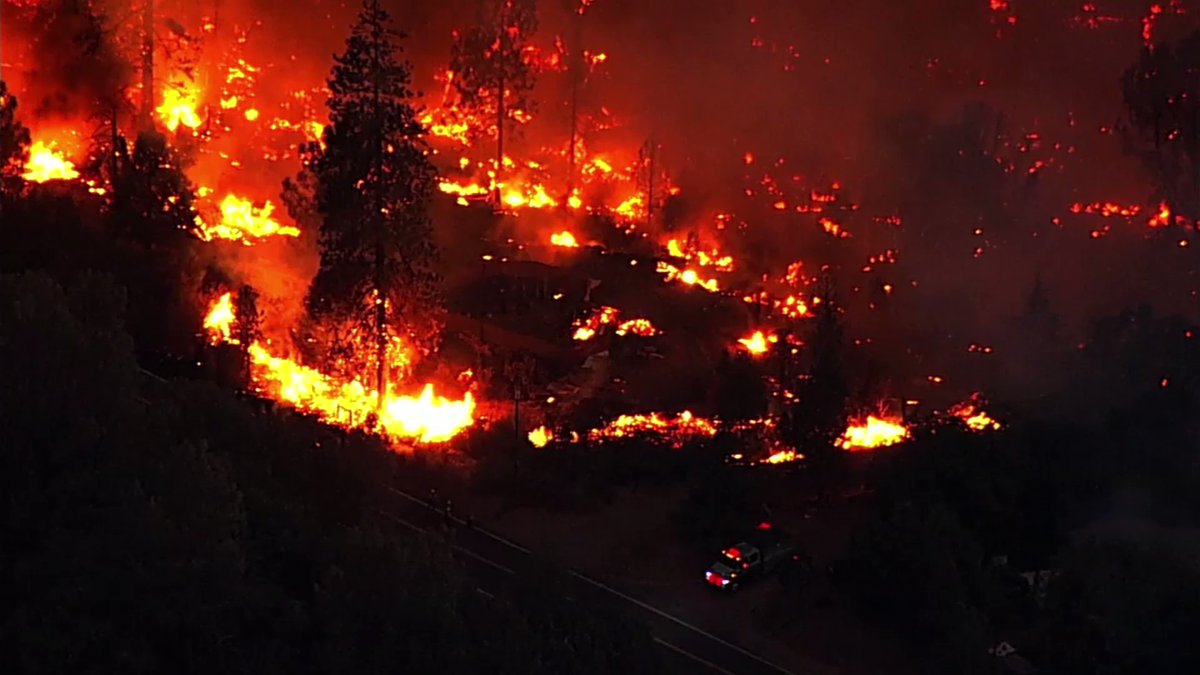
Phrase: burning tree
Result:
[488,60]
[820,417]
[372,188]
[154,200]
[14,144]
[1161,93]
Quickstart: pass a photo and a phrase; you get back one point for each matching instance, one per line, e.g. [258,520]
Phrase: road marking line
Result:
[485,593]
[681,622]
[456,547]
[692,656]
[460,521]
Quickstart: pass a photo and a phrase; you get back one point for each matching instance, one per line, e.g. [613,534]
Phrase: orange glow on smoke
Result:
[47,163]
[872,433]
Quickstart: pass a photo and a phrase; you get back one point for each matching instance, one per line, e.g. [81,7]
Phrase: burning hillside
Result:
[531,133]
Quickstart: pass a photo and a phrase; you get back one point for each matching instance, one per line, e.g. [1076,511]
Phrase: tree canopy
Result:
[371,185]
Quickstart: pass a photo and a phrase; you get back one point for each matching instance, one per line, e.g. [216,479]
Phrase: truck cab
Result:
[756,556]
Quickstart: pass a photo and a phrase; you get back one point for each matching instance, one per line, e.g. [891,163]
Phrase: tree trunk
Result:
[500,115]
[379,281]
[576,74]
[147,64]
[650,187]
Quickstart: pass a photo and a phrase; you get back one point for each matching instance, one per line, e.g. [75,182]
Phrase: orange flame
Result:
[564,239]
[678,430]
[242,221]
[540,437]
[688,276]
[179,108]
[219,321]
[758,344]
[426,418]
[46,163]
[872,433]
[972,414]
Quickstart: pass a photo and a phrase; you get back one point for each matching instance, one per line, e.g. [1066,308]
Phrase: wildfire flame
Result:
[179,108]
[872,433]
[688,276]
[47,163]
[219,321]
[758,343]
[972,414]
[677,430]
[427,417]
[540,437]
[564,239]
[242,221]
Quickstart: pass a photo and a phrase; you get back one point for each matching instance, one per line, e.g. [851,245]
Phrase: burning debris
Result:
[676,430]
[971,413]
[586,329]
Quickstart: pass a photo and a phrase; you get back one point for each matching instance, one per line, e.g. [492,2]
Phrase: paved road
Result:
[497,561]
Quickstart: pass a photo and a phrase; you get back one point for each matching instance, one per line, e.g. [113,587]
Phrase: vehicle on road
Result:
[760,554]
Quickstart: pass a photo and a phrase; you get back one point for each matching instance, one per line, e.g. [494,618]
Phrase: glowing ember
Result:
[678,430]
[179,108]
[219,321]
[758,344]
[46,164]
[639,327]
[564,239]
[972,414]
[540,437]
[586,329]
[244,222]
[872,433]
